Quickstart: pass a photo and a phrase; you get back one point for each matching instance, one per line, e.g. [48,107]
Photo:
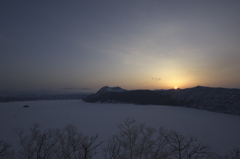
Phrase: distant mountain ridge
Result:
[15,98]
[222,100]
[110,89]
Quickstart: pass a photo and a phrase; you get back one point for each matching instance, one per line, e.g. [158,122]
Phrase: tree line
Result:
[133,141]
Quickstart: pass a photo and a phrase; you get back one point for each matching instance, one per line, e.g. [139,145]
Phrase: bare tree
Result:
[69,142]
[6,151]
[89,146]
[183,147]
[113,150]
[234,154]
[135,141]
[140,141]
[73,144]
[37,144]
[63,143]
[162,149]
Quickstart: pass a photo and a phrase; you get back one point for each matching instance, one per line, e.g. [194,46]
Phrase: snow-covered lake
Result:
[220,131]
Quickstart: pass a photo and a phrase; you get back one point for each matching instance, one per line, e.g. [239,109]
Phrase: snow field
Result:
[220,131]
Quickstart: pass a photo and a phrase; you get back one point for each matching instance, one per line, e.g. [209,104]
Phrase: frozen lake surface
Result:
[220,131]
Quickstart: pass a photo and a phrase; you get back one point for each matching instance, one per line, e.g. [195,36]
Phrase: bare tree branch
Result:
[6,151]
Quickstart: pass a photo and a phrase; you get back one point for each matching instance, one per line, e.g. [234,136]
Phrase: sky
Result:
[83,45]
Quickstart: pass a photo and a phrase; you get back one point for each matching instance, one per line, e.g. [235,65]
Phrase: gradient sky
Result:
[135,44]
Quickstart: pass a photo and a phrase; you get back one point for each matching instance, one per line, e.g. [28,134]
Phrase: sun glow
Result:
[175,87]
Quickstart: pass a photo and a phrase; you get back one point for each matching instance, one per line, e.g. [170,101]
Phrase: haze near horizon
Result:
[84,45]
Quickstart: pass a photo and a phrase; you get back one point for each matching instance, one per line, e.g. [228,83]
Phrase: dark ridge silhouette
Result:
[33,97]
[224,100]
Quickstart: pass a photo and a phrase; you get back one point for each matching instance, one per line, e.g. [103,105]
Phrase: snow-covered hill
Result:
[107,89]
[214,99]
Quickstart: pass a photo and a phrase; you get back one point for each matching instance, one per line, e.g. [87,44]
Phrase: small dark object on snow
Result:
[26,106]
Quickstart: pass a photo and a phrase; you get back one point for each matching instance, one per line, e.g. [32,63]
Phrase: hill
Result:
[222,100]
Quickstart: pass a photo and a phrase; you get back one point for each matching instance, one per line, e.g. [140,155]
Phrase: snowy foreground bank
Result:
[220,131]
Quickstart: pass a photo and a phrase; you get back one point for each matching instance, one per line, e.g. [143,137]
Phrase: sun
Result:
[175,87]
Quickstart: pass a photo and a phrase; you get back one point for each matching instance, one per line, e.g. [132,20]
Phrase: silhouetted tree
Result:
[6,151]
[65,143]
[133,141]
[183,147]
[136,141]
[140,141]
[73,144]
[234,154]
[36,144]
[89,146]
